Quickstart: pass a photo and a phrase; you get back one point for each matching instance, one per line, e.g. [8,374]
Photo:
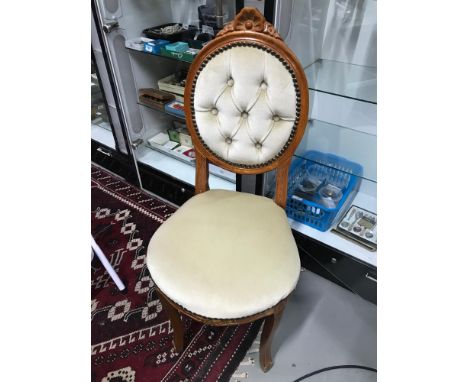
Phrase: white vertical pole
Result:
[107,265]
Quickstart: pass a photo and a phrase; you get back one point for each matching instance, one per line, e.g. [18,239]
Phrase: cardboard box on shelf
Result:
[170,84]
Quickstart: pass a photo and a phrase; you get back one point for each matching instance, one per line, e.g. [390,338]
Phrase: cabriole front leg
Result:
[176,323]
[269,328]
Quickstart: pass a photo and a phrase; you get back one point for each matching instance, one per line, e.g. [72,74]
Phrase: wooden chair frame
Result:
[248,28]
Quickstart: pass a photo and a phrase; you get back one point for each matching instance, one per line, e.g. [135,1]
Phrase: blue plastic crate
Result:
[331,169]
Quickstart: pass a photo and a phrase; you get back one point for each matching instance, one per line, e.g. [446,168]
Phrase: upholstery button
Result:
[230,82]
[276,118]
[244,114]
[263,85]
[228,140]
[214,111]
[258,145]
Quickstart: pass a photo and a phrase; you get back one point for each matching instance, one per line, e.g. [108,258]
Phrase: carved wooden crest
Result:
[250,19]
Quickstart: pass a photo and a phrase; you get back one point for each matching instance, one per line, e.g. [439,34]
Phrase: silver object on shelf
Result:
[360,226]
[330,195]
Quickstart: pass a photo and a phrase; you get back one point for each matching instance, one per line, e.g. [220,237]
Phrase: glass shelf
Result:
[328,76]
[336,41]
[158,55]
[102,135]
[103,122]
[184,170]
[352,145]
[187,160]
[162,111]
[101,129]
[214,170]
[343,79]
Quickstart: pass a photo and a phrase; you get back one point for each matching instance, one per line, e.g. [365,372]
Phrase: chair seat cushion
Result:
[225,255]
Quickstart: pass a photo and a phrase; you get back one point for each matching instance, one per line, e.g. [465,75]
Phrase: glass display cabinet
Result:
[335,41]
[109,139]
[101,127]
[99,115]
[108,145]
[151,45]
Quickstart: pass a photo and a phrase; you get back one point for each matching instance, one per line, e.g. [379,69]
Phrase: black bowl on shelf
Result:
[182,35]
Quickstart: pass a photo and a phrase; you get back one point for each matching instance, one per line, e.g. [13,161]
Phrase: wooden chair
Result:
[226,257]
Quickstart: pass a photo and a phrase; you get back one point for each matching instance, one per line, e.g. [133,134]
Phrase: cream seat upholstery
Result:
[225,254]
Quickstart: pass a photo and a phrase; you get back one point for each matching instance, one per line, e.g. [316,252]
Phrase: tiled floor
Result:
[323,325]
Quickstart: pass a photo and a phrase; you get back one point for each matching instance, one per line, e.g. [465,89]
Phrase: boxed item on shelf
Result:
[172,32]
[178,46]
[154,98]
[180,134]
[175,107]
[359,225]
[159,139]
[173,149]
[172,84]
[170,145]
[187,55]
[174,135]
[189,152]
[137,43]
[154,46]
[185,139]
[320,185]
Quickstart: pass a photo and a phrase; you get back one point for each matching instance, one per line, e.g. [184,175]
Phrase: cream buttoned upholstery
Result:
[225,254]
[245,105]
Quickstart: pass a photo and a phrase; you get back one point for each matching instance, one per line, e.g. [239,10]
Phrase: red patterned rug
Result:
[131,335]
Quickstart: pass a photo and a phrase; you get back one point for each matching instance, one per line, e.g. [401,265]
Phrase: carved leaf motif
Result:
[270,29]
[227,28]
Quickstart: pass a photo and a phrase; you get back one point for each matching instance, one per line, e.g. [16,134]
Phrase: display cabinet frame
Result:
[342,117]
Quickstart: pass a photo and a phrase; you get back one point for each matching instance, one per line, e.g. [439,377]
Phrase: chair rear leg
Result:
[176,323]
[269,328]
